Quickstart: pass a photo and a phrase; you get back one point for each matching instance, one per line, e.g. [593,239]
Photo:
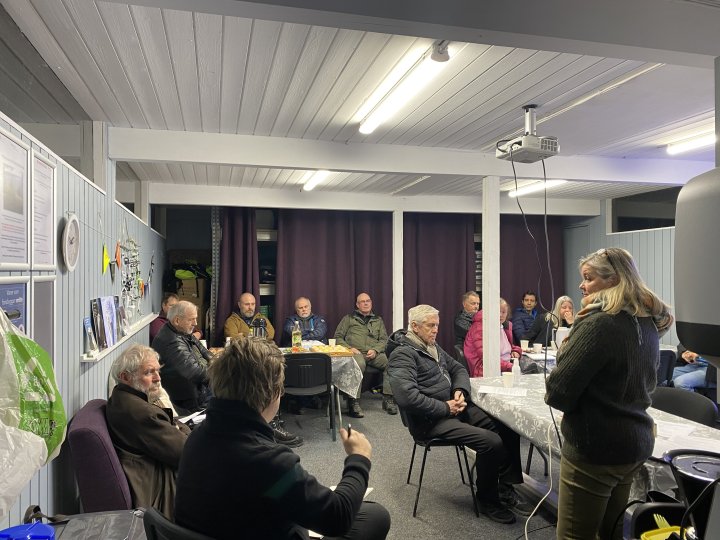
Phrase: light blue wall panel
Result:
[53,487]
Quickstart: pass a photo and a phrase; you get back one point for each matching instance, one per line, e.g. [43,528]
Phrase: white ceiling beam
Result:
[128,144]
[182,194]
[672,32]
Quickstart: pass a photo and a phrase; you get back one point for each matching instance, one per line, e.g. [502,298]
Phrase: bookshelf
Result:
[134,329]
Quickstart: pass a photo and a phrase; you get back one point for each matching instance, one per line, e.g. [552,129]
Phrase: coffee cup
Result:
[537,347]
[524,344]
[227,341]
[508,379]
[332,342]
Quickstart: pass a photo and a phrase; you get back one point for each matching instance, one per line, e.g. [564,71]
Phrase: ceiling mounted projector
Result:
[528,148]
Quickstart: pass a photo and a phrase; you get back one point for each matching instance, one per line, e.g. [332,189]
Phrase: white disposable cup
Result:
[508,379]
[227,341]
[331,342]
[204,343]
[537,347]
[525,344]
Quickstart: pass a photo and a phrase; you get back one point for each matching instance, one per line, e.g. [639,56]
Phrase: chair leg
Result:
[422,472]
[529,459]
[339,408]
[331,404]
[412,461]
[472,488]
[462,475]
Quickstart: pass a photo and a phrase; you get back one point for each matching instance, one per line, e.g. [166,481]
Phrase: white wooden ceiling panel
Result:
[150,27]
[264,42]
[208,44]
[236,42]
[340,51]
[224,175]
[201,174]
[377,56]
[291,42]
[188,172]
[91,27]
[213,175]
[124,40]
[19,99]
[124,171]
[176,173]
[180,31]
[236,176]
[315,49]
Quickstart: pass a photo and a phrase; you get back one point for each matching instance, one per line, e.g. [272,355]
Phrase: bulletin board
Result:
[14,204]
[14,300]
[44,240]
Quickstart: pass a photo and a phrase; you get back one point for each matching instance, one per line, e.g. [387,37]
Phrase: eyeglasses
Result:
[605,253]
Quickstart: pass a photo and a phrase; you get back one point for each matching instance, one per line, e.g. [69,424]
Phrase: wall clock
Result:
[71,242]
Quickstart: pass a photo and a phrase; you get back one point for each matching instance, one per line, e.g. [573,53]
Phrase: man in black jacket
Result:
[231,462]
[464,318]
[432,388]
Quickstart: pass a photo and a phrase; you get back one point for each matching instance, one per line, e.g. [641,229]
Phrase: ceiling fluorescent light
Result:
[402,85]
[537,186]
[700,141]
[314,179]
[410,184]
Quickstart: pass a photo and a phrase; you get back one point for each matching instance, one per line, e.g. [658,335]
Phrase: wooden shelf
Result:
[134,329]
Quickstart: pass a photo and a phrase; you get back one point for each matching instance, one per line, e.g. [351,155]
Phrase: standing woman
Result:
[605,373]
[563,315]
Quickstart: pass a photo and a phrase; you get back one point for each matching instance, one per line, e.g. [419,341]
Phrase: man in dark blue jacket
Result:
[312,326]
[432,388]
[524,317]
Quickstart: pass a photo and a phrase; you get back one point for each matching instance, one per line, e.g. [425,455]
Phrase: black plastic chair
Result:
[665,367]
[158,527]
[460,357]
[688,405]
[310,374]
[427,444]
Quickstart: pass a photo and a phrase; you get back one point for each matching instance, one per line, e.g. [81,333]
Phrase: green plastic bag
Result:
[32,415]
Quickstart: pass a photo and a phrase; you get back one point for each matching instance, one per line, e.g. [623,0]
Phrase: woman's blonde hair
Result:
[250,369]
[555,314]
[630,292]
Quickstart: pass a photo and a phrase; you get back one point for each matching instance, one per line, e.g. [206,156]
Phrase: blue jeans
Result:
[689,377]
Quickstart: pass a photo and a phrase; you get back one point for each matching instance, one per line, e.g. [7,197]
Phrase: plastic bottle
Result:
[516,371]
[296,337]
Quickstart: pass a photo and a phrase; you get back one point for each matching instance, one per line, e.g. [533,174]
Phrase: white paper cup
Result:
[537,347]
[227,341]
[508,379]
[331,342]
[525,344]
[204,343]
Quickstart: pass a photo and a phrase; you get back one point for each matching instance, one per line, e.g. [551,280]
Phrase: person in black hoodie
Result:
[232,462]
[433,389]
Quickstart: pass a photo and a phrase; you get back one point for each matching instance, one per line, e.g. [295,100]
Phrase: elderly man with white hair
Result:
[432,389]
[148,441]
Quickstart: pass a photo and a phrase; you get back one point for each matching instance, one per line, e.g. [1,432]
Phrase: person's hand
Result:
[197,334]
[569,318]
[459,396]
[515,354]
[371,354]
[355,443]
[690,357]
[456,407]
[354,350]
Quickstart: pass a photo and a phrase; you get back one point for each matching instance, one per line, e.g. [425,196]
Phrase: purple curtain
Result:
[439,266]
[330,257]
[239,268]
[519,270]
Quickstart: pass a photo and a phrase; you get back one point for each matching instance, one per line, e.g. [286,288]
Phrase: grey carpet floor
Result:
[445,508]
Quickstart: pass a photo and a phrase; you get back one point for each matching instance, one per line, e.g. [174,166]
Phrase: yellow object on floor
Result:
[659,534]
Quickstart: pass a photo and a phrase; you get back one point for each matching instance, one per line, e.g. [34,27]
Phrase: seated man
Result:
[432,389]
[147,439]
[524,316]
[464,318]
[244,317]
[311,325]
[184,359]
[169,300]
[693,374]
[231,462]
[364,334]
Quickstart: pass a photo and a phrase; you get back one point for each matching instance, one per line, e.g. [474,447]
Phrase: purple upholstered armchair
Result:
[100,477]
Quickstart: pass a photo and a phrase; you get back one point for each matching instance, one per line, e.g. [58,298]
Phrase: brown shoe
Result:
[389,405]
[354,408]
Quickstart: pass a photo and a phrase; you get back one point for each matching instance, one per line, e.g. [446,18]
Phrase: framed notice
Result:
[14,208]
[13,300]
[44,243]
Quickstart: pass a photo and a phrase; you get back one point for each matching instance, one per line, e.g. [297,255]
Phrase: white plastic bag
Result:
[32,416]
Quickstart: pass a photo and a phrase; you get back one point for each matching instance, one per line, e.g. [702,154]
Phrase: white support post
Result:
[491,275]
[142,201]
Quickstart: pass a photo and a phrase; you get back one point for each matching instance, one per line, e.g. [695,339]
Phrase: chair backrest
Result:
[686,404]
[308,370]
[460,356]
[158,527]
[101,480]
[665,367]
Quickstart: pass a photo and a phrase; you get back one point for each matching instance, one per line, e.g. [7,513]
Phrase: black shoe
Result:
[511,500]
[496,512]
[354,408]
[389,405]
[288,439]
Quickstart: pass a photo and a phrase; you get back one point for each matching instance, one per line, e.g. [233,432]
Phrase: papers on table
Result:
[540,357]
[313,534]
[196,417]
[502,391]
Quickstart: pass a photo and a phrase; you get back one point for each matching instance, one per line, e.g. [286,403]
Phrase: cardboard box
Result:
[192,288]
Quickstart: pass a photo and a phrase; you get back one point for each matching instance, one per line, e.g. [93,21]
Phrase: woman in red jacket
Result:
[473,347]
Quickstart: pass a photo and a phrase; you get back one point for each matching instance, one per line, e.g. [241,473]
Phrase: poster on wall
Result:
[13,301]
[43,214]
[13,202]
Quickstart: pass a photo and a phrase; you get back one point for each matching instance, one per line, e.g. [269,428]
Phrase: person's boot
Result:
[282,436]
[354,408]
[389,405]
